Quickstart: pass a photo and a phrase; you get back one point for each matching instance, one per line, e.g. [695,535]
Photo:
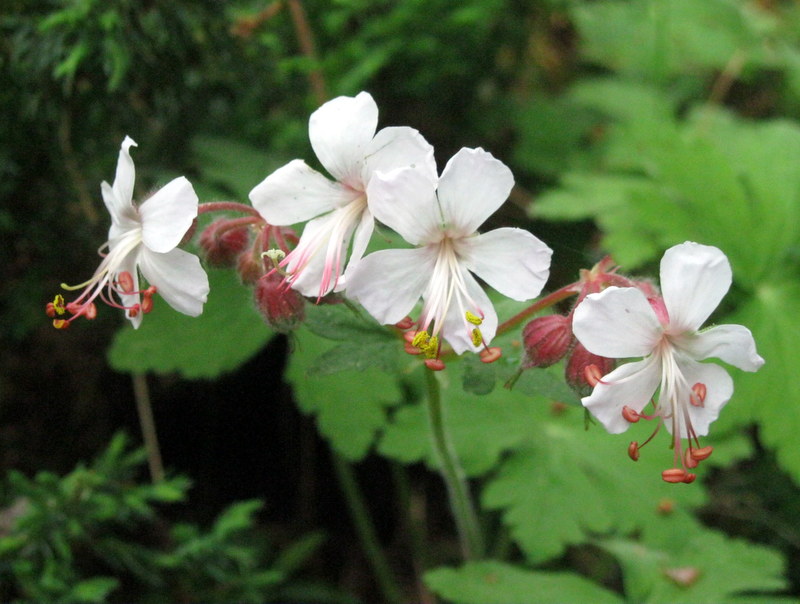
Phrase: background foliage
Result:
[630,126]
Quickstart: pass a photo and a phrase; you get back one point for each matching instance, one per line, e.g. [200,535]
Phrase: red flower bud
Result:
[546,340]
[282,307]
[221,244]
[575,371]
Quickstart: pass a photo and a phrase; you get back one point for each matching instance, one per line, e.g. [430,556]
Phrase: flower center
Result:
[447,291]
[675,399]
[108,283]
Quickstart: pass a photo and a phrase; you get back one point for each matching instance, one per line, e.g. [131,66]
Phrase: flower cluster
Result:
[391,176]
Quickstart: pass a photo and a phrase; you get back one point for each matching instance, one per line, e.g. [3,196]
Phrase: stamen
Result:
[701,453]
[434,364]
[674,475]
[630,415]
[477,338]
[698,396]
[125,282]
[474,319]
[592,375]
[491,354]
[633,450]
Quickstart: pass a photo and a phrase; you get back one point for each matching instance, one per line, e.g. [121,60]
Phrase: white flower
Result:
[142,238]
[623,323]
[342,134]
[389,283]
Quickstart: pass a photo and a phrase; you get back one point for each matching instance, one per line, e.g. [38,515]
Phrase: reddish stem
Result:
[221,206]
[549,300]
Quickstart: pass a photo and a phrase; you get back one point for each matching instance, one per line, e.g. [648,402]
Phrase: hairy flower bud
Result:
[575,371]
[221,243]
[282,307]
[546,340]
[249,267]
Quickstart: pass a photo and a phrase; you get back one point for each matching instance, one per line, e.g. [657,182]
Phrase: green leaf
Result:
[493,582]
[548,383]
[477,377]
[231,164]
[566,482]
[95,589]
[351,407]
[771,395]
[224,337]
[699,567]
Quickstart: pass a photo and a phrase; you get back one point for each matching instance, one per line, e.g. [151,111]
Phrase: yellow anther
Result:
[421,340]
[275,255]
[60,323]
[474,319]
[431,348]
[477,337]
[58,304]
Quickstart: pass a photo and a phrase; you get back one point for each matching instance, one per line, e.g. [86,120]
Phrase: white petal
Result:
[401,147]
[361,238]
[472,187]
[719,389]
[734,344]
[125,176]
[296,193]
[694,278]
[455,329]
[124,217]
[617,323]
[512,261]
[340,132]
[405,200]
[179,277]
[168,215]
[389,283]
[631,385]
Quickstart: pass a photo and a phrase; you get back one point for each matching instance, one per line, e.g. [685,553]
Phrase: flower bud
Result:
[282,307]
[221,245]
[546,340]
[250,268]
[575,371]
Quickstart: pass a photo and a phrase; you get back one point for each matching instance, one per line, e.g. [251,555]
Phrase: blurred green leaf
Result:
[224,337]
[494,582]
[565,482]
[350,407]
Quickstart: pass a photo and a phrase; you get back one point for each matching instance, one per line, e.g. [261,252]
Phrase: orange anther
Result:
[50,310]
[411,349]
[690,478]
[630,414]
[702,453]
[147,304]
[434,364]
[674,475]
[91,311]
[409,336]
[133,311]
[490,355]
[592,375]
[406,323]
[633,451]
[125,281]
[60,323]
[689,461]
[698,396]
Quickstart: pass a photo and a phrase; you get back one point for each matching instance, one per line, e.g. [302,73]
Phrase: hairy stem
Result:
[466,518]
[222,206]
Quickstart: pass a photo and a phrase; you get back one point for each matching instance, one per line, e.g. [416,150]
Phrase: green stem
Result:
[467,525]
[145,411]
[366,530]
